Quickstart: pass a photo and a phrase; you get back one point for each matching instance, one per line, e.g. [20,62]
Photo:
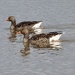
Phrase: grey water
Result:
[57,15]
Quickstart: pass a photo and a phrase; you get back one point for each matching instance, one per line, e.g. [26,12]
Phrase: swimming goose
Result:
[43,40]
[22,25]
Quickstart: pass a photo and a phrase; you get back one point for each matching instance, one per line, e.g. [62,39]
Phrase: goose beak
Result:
[7,20]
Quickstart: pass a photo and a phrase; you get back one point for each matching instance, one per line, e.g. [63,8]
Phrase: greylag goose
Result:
[40,40]
[22,25]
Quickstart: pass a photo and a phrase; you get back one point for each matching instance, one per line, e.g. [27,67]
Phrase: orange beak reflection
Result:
[18,32]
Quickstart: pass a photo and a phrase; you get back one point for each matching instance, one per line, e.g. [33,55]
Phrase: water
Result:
[57,15]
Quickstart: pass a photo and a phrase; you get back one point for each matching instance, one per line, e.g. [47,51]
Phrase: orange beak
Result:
[7,20]
[18,32]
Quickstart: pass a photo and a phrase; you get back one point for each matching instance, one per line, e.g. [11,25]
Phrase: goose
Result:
[43,40]
[22,25]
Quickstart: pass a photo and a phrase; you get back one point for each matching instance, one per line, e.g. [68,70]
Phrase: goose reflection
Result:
[56,45]
[12,35]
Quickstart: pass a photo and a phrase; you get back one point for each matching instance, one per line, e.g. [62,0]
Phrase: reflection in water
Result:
[25,52]
[55,45]
[12,35]
[51,46]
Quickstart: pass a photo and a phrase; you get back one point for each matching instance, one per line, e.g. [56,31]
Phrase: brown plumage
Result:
[21,25]
[39,40]
[44,35]
[43,40]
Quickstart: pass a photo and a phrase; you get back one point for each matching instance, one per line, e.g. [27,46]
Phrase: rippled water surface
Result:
[57,15]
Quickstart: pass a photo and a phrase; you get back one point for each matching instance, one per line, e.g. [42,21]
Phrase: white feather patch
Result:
[54,38]
[37,25]
[38,31]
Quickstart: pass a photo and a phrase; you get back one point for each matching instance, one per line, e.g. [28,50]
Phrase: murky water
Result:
[57,15]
